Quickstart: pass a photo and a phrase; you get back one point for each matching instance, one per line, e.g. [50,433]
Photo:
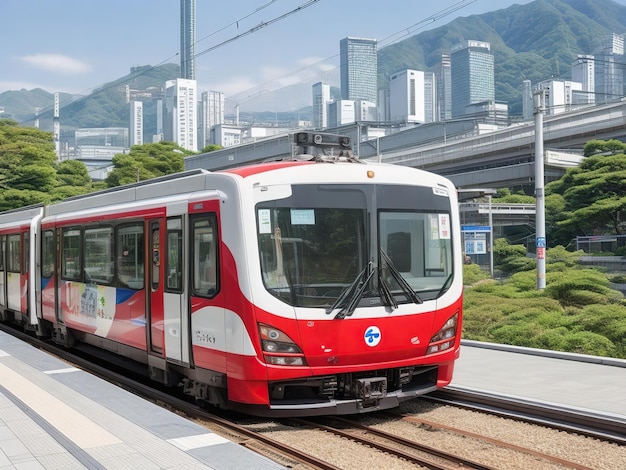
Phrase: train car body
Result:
[283,288]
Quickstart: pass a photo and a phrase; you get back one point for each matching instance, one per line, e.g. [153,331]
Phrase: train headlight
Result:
[278,348]
[445,337]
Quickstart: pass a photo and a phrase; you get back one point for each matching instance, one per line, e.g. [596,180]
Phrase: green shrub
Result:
[576,312]
[587,342]
[472,273]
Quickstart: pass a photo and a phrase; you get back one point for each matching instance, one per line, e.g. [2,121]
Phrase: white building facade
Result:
[341,112]
[559,95]
[180,113]
[413,96]
[321,98]
[583,72]
[136,123]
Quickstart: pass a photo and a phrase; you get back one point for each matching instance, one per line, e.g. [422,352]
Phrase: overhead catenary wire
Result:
[387,41]
[117,83]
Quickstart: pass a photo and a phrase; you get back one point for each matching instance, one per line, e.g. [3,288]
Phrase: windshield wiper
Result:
[406,288]
[353,293]
[446,285]
[386,296]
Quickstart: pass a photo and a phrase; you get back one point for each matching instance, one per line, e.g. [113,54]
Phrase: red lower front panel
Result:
[348,349]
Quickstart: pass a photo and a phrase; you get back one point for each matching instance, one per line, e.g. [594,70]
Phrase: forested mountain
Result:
[104,107]
[533,42]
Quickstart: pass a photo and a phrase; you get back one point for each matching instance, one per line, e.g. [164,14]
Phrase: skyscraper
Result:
[609,68]
[188,39]
[472,75]
[321,97]
[412,96]
[583,71]
[444,88]
[527,100]
[211,114]
[136,123]
[180,113]
[358,68]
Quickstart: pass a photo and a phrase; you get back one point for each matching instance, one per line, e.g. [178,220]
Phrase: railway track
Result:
[433,425]
[406,449]
[599,426]
[380,444]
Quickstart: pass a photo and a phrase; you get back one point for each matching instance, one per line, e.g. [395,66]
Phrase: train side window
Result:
[99,254]
[14,256]
[2,252]
[204,256]
[156,254]
[47,253]
[26,252]
[130,255]
[70,261]
[174,267]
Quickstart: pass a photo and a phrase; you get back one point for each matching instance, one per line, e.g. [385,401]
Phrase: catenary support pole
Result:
[540,217]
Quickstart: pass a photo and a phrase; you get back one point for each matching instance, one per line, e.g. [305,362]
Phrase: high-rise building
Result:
[444,88]
[158,137]
[188,39]
[136,123]
[609,68]
[384,113]
[527,100]
[211,114]
[365,111]
[412,96]
[583,72]
[358,61]
[472,75]
[341,112]
[321,97]
[180,113]
[559,95]
[611,44]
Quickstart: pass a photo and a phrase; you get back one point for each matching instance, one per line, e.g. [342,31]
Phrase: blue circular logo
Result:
[372,336]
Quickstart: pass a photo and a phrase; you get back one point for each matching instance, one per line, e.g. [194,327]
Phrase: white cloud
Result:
[58,63]
[275,86]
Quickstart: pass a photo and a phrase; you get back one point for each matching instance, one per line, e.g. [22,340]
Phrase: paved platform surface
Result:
[578,381]
[57,417]
[53,416]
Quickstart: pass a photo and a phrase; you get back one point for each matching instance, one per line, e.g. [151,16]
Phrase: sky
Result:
[262,54]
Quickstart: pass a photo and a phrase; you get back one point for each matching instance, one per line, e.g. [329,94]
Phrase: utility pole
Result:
[540,216]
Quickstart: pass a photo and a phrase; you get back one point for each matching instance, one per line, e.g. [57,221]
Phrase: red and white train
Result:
[328,286]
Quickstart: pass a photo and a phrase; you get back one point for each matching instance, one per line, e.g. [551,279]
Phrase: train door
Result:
[168,319]
[14,272]
[49,276]
[3,285]
[211,328]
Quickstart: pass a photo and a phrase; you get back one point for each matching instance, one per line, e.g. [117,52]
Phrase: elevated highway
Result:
[505,157]
[497,159]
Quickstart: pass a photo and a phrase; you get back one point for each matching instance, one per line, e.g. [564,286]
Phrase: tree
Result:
[611,147]
[591,198]
[27,159]
[73,180]
[147,161]
[511,258]
[211,148]
[29,170]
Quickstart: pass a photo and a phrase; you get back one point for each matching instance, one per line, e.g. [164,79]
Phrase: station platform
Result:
[53,416]
[591,383]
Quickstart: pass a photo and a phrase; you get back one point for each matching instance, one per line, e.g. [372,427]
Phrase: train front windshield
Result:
[336,246]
